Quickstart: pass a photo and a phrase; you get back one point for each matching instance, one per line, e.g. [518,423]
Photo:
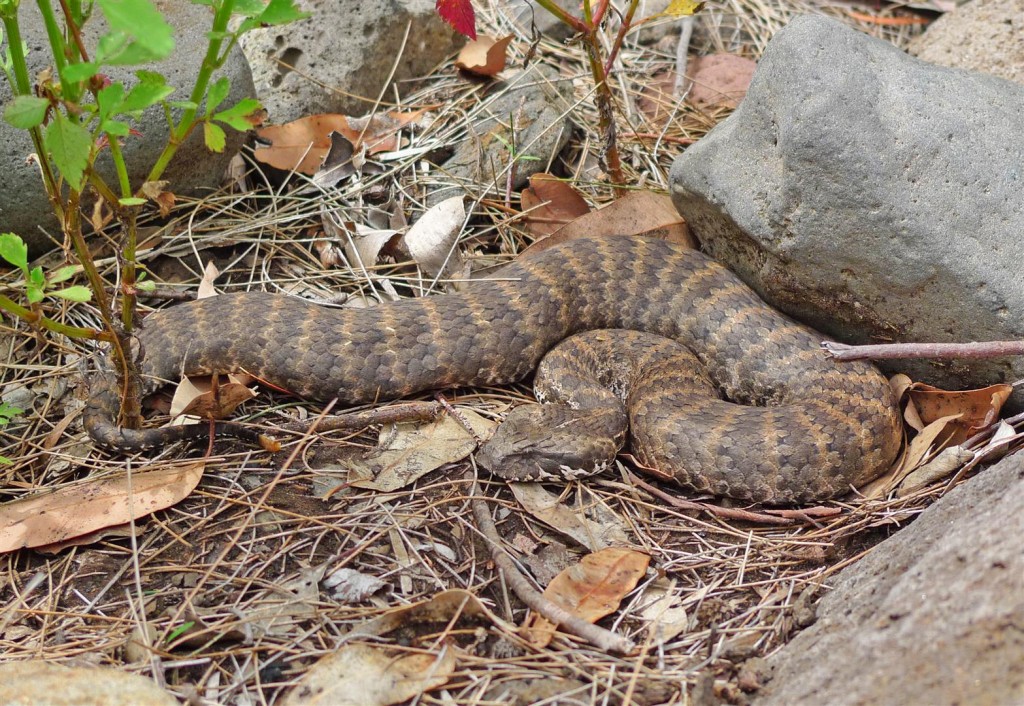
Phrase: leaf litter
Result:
[215,554]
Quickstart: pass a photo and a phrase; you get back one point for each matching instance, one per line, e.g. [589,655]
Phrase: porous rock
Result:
[23,204]
[983,35]
[933,615]
[870,194]
[340,59]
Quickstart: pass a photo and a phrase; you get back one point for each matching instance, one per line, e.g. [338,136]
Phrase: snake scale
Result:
[805,428]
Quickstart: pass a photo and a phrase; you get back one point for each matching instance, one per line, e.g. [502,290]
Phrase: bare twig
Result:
[896,351]
[593,634]
[726,512]
[352,421]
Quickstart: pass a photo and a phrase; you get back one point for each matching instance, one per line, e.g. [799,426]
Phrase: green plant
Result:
[77,111]
[459,13]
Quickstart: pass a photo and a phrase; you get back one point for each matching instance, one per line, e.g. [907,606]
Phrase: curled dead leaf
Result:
[637,213]
[432,239]
[550,203]
[302,144]
[484,56]
[591,589]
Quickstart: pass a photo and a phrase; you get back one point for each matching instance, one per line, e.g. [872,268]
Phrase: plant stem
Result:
[34,317]
[563,16]
[23,87]
[58,49]
[210,64]
[72,23]
[624,27]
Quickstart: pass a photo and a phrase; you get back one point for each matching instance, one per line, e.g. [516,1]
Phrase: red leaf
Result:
[459,14]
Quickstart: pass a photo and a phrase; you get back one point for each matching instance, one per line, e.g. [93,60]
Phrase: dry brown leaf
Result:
[364,675]
[210,275]
[44,682]
[196,398]
[974,409]
[217,402]
[591,589]
[550,203]
[85,507]
[431,240]
[372,675]
[944,464]
[637,213]
[156,192]
[303,144]
[720,80]
[410,450]
[364,247]
[598,529]
[484,56]
[662,608]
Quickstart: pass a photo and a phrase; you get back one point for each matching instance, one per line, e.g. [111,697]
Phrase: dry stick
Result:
[597,636]
[894,351]
[392,414]
[726,512]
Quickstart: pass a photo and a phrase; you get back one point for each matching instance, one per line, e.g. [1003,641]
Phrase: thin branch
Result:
[896,351]
[597,636]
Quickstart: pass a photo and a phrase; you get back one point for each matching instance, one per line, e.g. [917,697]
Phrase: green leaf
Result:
[63,273]
[131,201]
[279,12]
[7,412]
[26,112]
[147,286]
[14,250]
[109,99]
[73,73]
[139,19]
[78,293]
[69,144]
[121,49]
[218,92]
[36,285]
[237,116]
[247,8]
[214,137]
[180,630]
[115,127]
[150,90]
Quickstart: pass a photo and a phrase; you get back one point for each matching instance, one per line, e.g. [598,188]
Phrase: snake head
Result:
[545,442]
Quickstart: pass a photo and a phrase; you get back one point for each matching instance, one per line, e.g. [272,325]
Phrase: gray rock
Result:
[23,204]
[933,615]
[339,59]
[872,195]
[536,102]
[983,35]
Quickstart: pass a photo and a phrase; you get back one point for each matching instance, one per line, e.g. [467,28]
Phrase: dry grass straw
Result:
[222,557]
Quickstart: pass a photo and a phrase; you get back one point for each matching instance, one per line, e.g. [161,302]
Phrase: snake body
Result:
[818,426]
